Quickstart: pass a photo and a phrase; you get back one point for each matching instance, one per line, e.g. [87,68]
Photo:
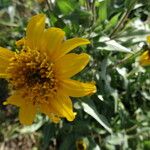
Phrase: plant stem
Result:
[122,20]
[49,6]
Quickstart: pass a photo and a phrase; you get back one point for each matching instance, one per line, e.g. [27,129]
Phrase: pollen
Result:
[31,71]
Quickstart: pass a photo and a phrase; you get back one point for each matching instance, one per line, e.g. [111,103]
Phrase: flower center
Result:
[31,71]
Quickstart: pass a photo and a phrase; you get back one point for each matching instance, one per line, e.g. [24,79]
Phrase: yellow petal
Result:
[4,63]
[20,42]
[16,99]
[49,111]
[145,59]
[27,114]
[35,30]
[64,105]
[6,54]
[4,75]
[52,40]
[148,39]
[77,89]
[3,66]
[59,106]
[69,45]
[71,64]
[54,118]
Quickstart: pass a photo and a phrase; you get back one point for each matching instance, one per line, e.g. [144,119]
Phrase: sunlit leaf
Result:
[102,11]
[90,109]
[112,45]
[65,6]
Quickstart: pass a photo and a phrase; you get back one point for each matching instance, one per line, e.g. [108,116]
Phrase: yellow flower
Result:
[81,145]
[144,59]
[148,39]
[40,73]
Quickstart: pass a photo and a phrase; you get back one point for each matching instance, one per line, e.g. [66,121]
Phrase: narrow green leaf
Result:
[48,132]
[65,6]
[102,11]
[68,142]
[112,45]
[113,21]
[90,109]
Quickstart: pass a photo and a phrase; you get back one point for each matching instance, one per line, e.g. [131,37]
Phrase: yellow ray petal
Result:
[16,99]
[4,75]
[69,45]
[51,40]
[21,42]
[6,54]
[60,106]
[35,30]
[4,63]
[27,114]
[64,105]
[54,118]
[148,39]
[76,88]
[71,64]
[49,111]
[3,66]
[145,59]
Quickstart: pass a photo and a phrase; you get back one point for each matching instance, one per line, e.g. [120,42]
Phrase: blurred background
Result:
[117,117]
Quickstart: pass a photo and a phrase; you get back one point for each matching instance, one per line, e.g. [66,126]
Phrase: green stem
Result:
[123,19]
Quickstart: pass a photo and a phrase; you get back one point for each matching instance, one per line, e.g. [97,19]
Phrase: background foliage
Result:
[117,117]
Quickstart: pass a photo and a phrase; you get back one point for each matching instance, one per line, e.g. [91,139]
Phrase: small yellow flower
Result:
[81,145]
[40,74]
[148,39]
[144,59]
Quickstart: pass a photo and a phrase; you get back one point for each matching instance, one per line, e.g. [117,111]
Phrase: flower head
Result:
[145,57]
[40,74]
[81,144]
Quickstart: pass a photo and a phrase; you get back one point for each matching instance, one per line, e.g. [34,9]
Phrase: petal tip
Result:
[40,16]
[5,103]
[86,41]
[71,117]
[94,90]
[148,39]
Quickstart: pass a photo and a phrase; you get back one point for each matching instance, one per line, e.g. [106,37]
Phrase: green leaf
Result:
[118,139]
[93,145]
[102,11]
[65,6]
[112,45]
[90,109]
[113,21]
[146,145]
[127,3]
[48,132]
[68,142]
